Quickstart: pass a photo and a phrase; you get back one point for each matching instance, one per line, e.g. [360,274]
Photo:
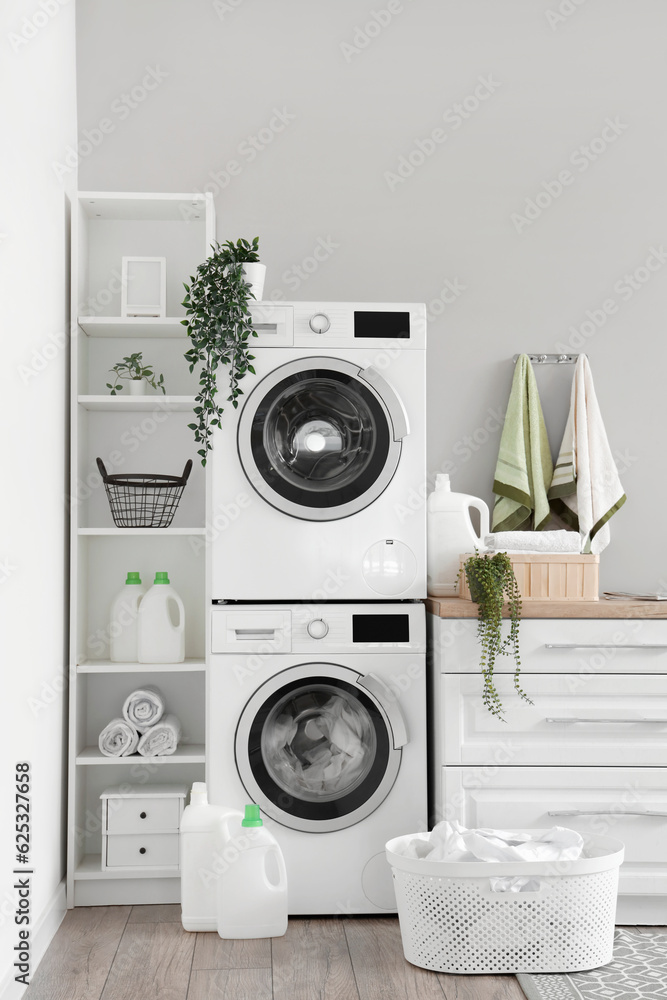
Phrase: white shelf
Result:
[187,753]
[154,206]
[142,531]
[191,664]
[90,867]
[122,326]
[130,404]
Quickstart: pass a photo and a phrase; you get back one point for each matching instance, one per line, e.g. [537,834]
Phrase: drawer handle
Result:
[142,850]
[626,721]
[605,645]
[606,812]
[142,815]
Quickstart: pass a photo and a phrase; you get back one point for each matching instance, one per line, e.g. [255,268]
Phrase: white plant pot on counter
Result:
[256,275]
[136,387]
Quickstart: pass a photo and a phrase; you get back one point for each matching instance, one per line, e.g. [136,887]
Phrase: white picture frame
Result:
[144,286]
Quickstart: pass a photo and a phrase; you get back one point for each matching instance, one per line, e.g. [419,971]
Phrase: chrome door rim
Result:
[259,698]
[390,409]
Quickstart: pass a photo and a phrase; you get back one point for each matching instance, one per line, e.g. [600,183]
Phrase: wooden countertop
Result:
[455,607]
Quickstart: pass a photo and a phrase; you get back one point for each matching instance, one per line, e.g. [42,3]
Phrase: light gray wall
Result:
[37,122]
[363,97]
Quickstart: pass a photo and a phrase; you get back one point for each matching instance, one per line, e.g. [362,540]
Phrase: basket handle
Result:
[101,466]
[186,471]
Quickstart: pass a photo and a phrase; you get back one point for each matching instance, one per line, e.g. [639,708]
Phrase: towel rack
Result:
[550,359]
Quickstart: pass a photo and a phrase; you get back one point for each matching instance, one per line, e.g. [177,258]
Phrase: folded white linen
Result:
[144,707]
[118,739]
[534,541]
[161,739]
[586,489]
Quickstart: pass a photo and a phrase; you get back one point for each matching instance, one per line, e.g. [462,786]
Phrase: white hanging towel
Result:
[586,490]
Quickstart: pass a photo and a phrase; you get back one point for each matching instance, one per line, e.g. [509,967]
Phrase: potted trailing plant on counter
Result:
[492,583]
[219,327]
[137,375]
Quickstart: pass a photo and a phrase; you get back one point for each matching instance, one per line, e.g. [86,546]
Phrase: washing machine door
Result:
[318,746]
[320,438]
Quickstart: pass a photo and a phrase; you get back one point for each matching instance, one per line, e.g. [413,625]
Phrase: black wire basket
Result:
[143,501]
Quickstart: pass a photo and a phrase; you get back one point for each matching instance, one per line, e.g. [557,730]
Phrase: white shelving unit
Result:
[130,434]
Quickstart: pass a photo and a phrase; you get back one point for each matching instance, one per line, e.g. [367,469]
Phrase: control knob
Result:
[317,629]
[319,323]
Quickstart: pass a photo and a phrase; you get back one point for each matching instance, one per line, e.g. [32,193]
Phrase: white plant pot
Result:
[256,275]
[136,387]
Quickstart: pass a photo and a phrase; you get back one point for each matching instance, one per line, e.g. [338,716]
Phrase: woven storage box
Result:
[452,920]
[549,576]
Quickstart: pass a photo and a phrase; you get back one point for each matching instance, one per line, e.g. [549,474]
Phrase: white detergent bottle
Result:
[450,534]
[123,628]
[252,893]
[161,624]
[202,864]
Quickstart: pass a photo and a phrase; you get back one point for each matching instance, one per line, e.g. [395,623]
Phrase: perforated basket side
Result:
[457,925]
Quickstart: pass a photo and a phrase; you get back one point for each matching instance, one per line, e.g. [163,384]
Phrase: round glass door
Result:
[315,750]
[317,441]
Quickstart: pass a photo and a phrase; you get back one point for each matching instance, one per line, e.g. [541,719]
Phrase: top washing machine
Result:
[317,480]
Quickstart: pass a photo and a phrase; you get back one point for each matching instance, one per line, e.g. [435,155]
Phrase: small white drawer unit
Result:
[590,753]
[140,826]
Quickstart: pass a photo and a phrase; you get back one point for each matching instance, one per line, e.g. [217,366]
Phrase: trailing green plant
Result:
[492,583]
[133,369]
[219,327]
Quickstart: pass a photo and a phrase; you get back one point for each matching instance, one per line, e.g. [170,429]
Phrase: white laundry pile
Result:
[453,842]
[319,752]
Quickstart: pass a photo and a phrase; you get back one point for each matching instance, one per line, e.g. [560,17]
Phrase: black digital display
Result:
[380,628]
[382,325]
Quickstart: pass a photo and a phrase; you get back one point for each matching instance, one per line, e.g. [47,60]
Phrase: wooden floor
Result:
[143,953]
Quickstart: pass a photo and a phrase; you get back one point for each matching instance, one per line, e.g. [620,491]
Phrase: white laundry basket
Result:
[453,921]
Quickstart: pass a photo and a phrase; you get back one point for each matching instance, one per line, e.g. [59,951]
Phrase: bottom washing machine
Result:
[317,713]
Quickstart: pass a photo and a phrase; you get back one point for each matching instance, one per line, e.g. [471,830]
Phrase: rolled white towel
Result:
[118,739]
[144,707]
[161,739]
[534,541]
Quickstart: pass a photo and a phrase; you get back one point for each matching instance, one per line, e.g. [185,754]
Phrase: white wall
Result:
[360,99]
[37,121]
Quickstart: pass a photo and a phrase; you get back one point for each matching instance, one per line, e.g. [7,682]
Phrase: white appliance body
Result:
[318,714]
[318,478]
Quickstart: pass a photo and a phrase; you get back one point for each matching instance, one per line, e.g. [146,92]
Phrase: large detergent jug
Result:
[450,533]
[161,624]
[202,861]
[123,627]
[252,893]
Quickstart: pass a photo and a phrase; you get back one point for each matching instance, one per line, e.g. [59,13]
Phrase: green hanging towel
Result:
[524,469]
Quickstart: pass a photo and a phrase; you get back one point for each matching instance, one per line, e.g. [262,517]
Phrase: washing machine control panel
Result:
[319,323]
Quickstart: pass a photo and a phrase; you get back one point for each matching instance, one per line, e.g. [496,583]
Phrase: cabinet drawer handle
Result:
[142,850]
[606,812]
[626,721]
[605,645]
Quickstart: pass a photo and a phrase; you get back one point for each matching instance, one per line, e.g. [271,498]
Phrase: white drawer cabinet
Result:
[590,753]
[140,827]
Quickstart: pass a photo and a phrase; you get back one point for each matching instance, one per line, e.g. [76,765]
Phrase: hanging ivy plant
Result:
[219,327]
[492,583]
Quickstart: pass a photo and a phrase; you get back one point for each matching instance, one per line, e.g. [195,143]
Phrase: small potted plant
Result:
[219,326]
[492,583]
[137,375]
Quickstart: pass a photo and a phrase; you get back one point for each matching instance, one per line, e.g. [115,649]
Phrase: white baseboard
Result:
[43,933]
